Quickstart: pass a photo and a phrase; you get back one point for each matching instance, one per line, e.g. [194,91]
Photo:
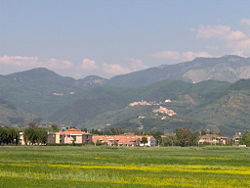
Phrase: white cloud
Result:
[189,55]
[234,41]
[167,55]
[236,35]
[180,56]
[242,45]
[32,62]
[115,69]
[136,64]
[245,21]
[88,64]
[218,32]
[10,64]
[208,31]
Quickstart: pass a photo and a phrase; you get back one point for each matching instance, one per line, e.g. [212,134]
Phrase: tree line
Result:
[34,135]
[8,136]
[31,135]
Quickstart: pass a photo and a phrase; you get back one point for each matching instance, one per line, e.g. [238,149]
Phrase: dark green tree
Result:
[3,135]
[32,124]
[13,136]
[169,140]
[35,135]
[185,137]
[54,127]
[144,140]
[8,135]
[246,139]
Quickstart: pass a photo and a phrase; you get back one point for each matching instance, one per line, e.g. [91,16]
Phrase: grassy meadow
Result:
[89,166]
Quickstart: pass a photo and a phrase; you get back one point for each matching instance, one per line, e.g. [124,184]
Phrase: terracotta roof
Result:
[212,135]
[122,139]
[73,131]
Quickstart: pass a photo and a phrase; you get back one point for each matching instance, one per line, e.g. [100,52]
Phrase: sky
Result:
[110,37]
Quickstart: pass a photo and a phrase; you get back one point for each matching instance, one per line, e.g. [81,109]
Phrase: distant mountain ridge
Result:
[44,76]
[92,81]
[227,68]
[200,90]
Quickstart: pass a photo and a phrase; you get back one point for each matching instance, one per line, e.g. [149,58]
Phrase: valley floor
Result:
[67,166]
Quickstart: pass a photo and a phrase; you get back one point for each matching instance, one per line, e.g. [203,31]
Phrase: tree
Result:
[185,137]
[3,135]
[29,135]
[32,124]
[35,135]
[246,139]
[113,131]
[85,130]
[203,132]
[144,140]
[42,135]
[157,136]
[12,136]
[8,135]
[54,127]
[169,140]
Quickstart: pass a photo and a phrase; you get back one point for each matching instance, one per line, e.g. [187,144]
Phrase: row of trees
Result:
[35,135]
[183,137]
[32,135]
[8,136]
[107,131]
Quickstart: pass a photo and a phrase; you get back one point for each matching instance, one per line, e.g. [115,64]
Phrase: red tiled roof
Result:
[212,135]
[125,139]
[73,131]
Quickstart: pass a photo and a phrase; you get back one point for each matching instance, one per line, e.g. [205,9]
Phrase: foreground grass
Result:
[52,166]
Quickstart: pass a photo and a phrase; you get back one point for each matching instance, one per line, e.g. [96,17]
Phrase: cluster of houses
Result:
[213,139]
[76,136]
[72,135]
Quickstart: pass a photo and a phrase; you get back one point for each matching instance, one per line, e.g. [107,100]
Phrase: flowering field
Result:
[68,166]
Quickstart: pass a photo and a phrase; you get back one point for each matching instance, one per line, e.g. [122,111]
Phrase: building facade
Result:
[69,136]
[213,139]
[123,140]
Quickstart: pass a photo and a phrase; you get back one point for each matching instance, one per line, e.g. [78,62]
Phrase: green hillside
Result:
[10,115]
[228,113]
[217,106]
[93,103]
[185,98]
[41,91]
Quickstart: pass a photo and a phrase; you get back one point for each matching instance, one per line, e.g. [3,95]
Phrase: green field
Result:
[67,166]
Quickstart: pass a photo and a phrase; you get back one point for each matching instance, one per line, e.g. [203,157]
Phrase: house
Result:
[212,139]
[124,140]
[236,138]
[69,136]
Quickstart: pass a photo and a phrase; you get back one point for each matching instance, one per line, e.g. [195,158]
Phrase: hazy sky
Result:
[108,37]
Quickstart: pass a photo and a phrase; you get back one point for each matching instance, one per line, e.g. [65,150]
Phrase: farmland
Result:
[88,166]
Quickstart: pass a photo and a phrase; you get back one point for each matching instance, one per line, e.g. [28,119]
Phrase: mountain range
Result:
[206,93]
[227,68]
